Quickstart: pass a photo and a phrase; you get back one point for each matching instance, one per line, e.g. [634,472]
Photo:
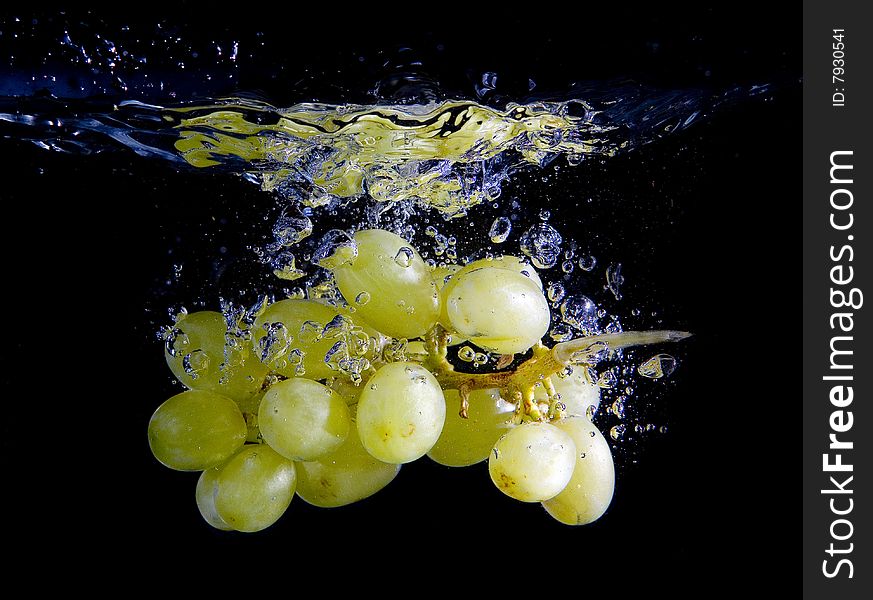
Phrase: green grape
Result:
[347,475]
[286,319]
[532,462]
[199,357]
[254,488]
[195,430]
[207,486]
[468,441]
[401,412]
[509,262]
[577,393]
[403,300]
[498,309]
[589,492]
[302,419]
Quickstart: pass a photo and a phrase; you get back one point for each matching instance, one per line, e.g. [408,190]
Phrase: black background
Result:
[702,222]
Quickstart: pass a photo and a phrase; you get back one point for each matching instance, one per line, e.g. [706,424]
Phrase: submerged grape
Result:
[532,462]
[195,430]
[403,297]
[400,413]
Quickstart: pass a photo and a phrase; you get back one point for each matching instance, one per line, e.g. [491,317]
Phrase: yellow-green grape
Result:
[577,393]
[403,300]
[254,488]
[509,262]
[347,475]
[294,324]
[196,430]
[401,412]
[589,492]
[302,419]
[469,441]
[498,309]
[207,486]
[196,353]
[532,462]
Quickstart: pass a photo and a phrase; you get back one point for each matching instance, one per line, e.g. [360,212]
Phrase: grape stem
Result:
[518,384]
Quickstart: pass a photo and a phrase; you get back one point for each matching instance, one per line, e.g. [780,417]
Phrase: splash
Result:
[451,155]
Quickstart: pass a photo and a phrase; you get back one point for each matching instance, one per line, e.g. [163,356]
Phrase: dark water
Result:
[106,232]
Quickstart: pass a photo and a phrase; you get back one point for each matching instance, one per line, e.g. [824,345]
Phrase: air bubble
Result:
[542,243]
[194,363]
[500,230]
[285,266]
[580,312]
[617,432]
[362,299]
[404,257]
[336,248]
[290,229]
[614,280]
[587,263]
[607,380]
[618,408]
[658,366]
[467,354]
[275,343]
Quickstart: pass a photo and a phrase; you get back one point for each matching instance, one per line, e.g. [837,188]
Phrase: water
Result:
[389,164]
[118,123]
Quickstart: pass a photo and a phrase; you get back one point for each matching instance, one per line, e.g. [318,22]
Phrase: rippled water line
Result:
[450,155]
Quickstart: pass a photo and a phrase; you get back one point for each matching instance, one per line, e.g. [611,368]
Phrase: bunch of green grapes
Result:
[326,399]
